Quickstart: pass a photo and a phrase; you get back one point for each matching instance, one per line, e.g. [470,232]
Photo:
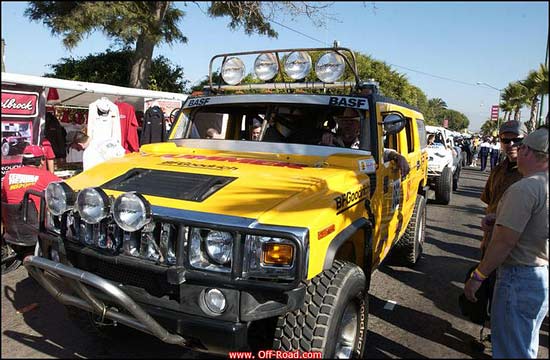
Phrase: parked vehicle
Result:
[444,164]
[220,243]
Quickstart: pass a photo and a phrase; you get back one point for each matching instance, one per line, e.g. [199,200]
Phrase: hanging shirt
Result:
[103,121]
[128,127]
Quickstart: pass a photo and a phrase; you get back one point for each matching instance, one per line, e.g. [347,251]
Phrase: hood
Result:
[266,187]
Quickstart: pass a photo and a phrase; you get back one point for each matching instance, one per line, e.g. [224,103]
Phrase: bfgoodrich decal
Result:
[350,199]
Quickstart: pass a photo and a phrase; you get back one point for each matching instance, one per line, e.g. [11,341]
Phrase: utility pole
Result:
[546,65]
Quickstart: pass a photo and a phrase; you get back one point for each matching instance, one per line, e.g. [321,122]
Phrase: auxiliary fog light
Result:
[233,70]
[266,66]
[298,65]
[215,301]
[330,67]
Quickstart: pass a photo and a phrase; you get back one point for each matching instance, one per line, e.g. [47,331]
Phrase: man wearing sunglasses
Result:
[506,173]
[518,249]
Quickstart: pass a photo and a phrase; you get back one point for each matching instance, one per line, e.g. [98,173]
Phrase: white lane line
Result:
[390,304]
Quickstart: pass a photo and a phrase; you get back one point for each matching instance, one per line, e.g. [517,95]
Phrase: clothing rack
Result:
[68,107]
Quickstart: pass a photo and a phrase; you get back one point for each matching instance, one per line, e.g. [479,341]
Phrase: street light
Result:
[499,92]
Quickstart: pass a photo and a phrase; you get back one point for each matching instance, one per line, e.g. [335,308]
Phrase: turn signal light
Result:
[277,254]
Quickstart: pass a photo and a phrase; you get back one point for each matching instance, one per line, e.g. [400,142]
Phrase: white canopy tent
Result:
[80,94]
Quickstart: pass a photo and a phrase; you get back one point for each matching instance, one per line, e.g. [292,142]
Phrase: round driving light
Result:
[92,205]
[233,71]
[59,197]
[330,67]
[215,301]
[218,246]
[131,211]
[298,65]
[266,66]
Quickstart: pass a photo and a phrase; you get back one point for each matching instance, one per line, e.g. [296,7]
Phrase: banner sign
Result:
[19,104]
[494,112]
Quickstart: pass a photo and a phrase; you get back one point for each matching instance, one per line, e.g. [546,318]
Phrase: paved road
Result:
[413,312]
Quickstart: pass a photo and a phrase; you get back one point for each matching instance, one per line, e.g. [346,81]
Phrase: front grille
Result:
[169,184]
[154,283]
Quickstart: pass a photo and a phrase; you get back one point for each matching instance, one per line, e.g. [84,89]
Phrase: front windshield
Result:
[275,123]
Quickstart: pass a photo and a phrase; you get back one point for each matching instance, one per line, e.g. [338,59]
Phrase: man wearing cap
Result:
[518,249]
[32,175]
[506,173]
[349,125]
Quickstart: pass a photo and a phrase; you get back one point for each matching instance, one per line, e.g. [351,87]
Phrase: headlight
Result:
[266,66]
[298,65]
[93,205]
[131,211]
[233,71]
[211,249]
[59,197]
[218,246]
[330,67]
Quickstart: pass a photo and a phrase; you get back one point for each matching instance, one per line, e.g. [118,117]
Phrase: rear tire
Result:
[408,248]
[333,319]
[443,186]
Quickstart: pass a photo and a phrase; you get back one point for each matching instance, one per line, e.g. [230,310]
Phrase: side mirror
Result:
[393,123]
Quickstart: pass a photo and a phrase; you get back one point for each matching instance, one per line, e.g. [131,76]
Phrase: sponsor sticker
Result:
[346,101]
[367,166]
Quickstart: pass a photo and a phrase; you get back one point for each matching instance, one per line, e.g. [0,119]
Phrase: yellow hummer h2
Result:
[244,231]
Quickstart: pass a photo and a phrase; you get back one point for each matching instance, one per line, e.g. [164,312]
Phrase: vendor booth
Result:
[26,100]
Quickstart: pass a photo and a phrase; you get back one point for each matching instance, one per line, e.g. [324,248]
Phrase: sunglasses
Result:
[516,141]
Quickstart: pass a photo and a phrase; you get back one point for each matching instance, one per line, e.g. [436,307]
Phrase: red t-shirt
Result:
[48,150]
[128,127]
[17,181]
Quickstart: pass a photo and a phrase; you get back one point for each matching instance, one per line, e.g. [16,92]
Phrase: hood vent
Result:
[169,184]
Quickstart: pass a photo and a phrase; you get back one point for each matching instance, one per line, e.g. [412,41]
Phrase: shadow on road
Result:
[380,347]
[439,331]
[54,335]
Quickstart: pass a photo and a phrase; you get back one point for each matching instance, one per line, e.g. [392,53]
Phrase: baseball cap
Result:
[513,126]
[33,151]
[537,140]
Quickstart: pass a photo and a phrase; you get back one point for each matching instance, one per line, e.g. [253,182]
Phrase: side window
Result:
[421,133]
[390,142]
[410,135]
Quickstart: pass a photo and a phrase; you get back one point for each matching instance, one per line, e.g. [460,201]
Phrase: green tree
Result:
[515,94]
[536,84]
[489,127]
[145,24]
[112,67]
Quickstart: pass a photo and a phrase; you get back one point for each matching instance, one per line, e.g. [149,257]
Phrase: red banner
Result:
[19,104]
[494,112]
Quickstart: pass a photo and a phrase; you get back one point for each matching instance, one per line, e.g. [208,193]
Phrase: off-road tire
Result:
[408,248]
[443,186]
[5,148]
[14,261]
[316,325]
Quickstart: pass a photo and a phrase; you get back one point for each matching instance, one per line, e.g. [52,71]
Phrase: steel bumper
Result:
[139,319]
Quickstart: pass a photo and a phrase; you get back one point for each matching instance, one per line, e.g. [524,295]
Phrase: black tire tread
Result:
[319,305]
[404,250]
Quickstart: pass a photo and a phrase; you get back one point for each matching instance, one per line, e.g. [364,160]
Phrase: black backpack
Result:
[480,311]
[153,126]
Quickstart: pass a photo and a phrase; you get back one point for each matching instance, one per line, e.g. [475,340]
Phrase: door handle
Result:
[417,164]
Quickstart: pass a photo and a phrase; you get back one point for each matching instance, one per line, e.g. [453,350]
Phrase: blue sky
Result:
[444,48]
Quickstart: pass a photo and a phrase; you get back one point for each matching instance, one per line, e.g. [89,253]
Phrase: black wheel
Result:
[10,259]
[333,318]
[443,186]
[408,248]
[5,148]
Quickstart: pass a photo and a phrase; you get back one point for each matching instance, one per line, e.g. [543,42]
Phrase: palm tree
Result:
[507,107]
[536,84]
[516,95]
